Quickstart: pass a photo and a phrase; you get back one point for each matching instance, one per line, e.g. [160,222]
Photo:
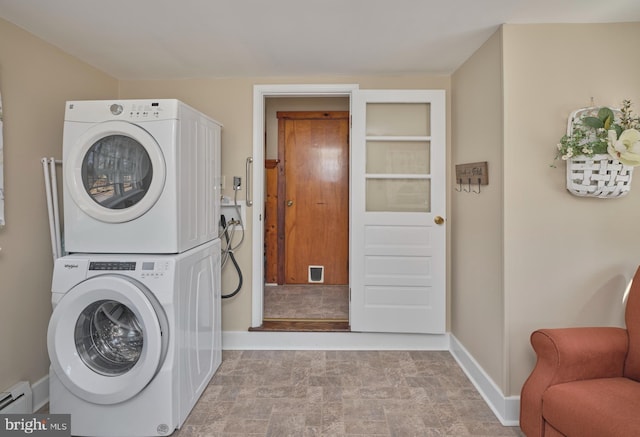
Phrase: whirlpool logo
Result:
[71,266]
[41,425]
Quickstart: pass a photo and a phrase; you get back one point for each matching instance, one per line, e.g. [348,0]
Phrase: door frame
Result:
[260,93]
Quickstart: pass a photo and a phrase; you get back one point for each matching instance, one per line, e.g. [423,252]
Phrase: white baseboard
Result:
[506,408]
[40,390]
[256,340]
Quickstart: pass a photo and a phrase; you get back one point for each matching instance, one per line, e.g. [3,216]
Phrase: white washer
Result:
[133,339]
[140,176]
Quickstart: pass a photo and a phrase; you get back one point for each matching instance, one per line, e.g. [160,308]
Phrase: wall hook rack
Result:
[474,191]
[468,190]
[476,171]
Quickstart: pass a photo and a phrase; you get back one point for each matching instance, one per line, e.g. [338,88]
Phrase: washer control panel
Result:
[153,269]
[112,265]
[156,271]
[140,269]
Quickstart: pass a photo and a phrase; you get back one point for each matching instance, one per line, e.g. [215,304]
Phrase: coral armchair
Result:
[586,380]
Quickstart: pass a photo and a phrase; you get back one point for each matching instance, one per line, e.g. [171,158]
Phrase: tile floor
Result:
[338,393]
[318,302]
[341,393]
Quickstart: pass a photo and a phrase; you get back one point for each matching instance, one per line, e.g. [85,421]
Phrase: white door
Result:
[398,239]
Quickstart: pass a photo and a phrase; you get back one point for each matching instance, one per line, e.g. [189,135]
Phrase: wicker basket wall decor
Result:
[597,176]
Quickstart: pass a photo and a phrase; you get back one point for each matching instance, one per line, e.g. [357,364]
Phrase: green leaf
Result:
[606,115]
[618,130]
[593,122]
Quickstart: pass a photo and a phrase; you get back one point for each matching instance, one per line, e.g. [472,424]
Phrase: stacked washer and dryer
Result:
[135,334]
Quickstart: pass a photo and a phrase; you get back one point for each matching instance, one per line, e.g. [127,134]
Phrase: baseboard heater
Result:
[17,399]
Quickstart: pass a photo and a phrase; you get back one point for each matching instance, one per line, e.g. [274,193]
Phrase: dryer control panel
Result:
[97,111]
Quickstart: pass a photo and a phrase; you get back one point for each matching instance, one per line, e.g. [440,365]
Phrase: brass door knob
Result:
[438,220]
[289,202]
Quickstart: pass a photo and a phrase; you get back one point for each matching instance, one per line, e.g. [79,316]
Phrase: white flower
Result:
[569,154]
[626,148]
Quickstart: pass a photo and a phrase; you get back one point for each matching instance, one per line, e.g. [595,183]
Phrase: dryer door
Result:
[115,172]
[106,339]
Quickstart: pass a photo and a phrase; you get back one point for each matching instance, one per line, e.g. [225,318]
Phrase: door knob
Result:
[289,202]
[438,220]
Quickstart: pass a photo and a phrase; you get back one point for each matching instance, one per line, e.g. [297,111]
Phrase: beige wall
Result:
[477,298]
[230,102]
[567,259]
[549,259]
[35,81]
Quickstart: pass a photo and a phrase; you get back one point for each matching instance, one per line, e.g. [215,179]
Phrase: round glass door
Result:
[107,338]
[115,172]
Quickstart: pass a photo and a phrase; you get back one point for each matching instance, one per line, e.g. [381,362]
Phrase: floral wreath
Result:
[611,131]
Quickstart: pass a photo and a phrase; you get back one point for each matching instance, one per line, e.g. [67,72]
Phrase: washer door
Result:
[105,339]
[115,172]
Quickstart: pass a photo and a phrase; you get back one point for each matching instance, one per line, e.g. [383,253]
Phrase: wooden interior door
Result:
[271,222]
[314,205]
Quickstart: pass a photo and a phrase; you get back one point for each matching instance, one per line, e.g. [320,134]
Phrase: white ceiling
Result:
[171,39]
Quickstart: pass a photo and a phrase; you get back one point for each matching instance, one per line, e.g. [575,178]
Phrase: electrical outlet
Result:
[237,181]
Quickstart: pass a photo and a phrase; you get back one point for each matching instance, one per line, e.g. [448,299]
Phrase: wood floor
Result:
[306,308]
[303,326]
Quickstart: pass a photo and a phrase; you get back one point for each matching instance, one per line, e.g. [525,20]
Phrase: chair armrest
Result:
[569,354]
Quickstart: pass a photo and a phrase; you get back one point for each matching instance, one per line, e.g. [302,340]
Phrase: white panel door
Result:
[398,240]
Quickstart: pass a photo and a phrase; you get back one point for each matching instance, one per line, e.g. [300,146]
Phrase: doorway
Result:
[306,217]
[397,273]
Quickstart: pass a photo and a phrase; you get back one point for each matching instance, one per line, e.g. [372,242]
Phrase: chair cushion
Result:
[594,408]
[632,319]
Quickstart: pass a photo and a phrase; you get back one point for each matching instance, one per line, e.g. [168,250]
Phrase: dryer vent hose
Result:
[228,253]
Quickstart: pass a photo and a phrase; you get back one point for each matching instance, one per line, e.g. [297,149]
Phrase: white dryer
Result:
[133,339]
[140,176]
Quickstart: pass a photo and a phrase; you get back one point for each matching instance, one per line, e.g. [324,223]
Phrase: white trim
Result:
[367,282]
[506,408]
[265,340]
[260,92]
[40,392]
